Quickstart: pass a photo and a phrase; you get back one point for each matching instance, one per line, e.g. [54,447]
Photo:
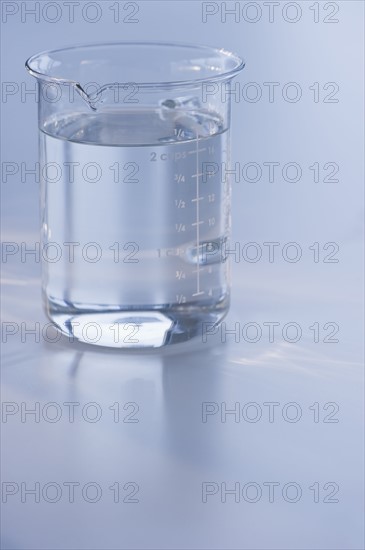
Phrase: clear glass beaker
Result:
[135,205]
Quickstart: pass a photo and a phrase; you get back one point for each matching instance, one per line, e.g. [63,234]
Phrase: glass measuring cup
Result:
[135,206]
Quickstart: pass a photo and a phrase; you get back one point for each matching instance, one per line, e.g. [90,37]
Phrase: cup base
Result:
[138,329]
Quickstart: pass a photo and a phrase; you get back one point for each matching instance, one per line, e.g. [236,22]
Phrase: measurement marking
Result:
[197,175]
[197,199]
[197,151]
[197,223]
[198,293]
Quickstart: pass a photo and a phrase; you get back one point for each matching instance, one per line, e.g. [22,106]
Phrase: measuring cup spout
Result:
[52,86]
[86,97]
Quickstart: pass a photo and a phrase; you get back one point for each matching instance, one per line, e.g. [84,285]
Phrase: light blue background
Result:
[170,452]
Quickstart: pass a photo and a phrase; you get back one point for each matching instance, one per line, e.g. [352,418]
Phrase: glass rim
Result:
[219,52]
